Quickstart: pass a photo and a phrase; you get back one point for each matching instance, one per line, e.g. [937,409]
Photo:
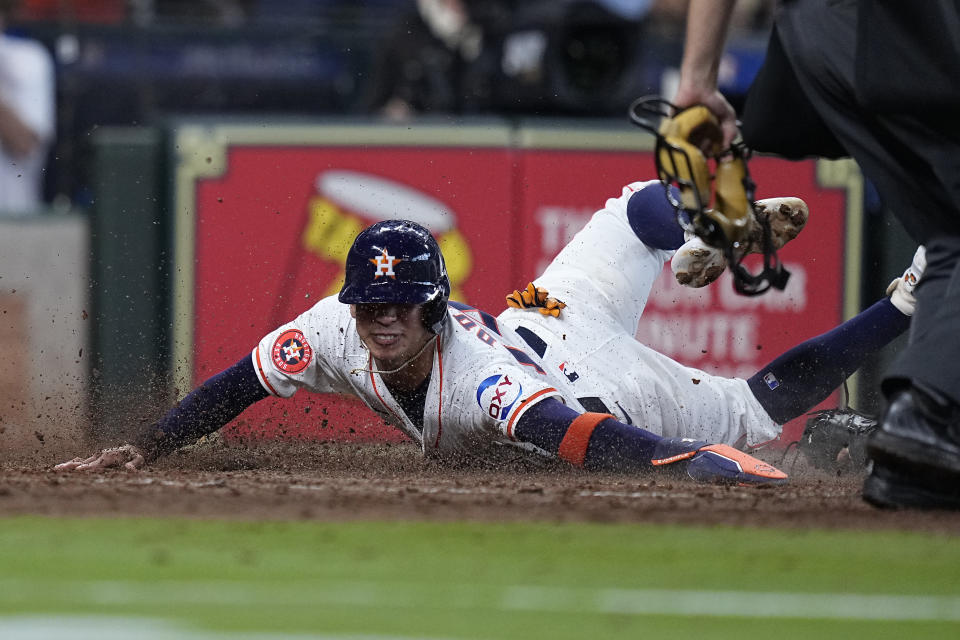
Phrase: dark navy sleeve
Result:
[613,445]
[545,423]
[808,373]
[204,410]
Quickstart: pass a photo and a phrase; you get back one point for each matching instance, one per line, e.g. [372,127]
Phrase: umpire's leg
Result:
[913,158]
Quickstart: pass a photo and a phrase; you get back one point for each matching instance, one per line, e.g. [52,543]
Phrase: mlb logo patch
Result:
[771,380]
[572,376]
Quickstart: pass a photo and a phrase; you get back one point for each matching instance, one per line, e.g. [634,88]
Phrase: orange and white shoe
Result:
[697,264]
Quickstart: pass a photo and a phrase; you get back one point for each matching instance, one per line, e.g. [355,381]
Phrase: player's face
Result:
[392,332]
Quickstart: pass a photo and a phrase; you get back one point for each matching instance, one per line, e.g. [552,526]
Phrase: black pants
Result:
[908,150]
[777,117]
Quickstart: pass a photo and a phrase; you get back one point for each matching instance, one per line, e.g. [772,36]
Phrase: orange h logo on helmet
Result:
[384,263]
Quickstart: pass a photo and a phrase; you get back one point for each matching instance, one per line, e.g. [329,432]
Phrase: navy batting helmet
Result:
[399,262]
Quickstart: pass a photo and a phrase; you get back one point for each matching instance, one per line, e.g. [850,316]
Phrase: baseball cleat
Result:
[716,463]
[696,264]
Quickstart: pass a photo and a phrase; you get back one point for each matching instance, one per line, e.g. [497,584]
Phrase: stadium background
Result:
[134,79]
[201,157]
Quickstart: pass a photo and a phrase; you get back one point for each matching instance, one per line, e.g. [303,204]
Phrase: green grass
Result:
[468,580]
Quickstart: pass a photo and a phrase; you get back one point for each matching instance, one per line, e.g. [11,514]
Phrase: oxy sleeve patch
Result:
[291,353]
[498,394]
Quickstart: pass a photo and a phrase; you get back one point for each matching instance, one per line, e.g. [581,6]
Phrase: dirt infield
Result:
[336,481]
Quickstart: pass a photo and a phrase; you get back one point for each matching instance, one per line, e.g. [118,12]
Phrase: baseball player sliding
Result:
[564,379]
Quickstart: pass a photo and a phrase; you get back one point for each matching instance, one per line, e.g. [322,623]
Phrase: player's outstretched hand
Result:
[125,456]
[715,463]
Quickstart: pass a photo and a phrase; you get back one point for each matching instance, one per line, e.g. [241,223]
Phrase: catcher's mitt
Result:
[835,439]
[534,297]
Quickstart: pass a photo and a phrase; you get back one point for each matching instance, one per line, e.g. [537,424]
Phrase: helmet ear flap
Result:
[433,313]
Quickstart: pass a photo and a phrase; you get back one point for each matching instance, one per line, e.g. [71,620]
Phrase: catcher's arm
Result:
[204,410]
[708,22]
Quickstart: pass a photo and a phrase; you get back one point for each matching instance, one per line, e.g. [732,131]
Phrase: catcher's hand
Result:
[126,456]
[534,297]
[835,439]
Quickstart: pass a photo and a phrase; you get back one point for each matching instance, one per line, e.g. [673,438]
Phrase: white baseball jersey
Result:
[605,276]
[484,376]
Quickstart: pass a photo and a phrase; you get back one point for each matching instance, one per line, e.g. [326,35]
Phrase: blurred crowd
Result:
[98,63]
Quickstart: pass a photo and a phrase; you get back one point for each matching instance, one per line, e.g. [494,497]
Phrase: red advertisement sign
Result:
[272,232]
